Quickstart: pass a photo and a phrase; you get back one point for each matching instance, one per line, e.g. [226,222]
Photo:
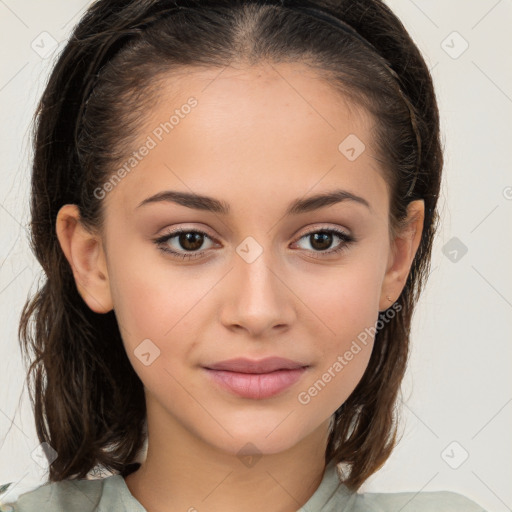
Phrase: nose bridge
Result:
[259,299]
[256,267]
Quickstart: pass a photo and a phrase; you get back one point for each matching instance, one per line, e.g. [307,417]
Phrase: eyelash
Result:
[345,237]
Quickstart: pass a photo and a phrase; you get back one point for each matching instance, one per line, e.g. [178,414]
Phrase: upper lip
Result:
[266,365]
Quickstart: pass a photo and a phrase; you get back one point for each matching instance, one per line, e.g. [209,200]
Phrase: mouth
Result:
[256,379]
[267,365]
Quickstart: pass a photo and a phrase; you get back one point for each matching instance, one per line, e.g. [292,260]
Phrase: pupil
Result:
[187,240]
[193,241]
[325,240]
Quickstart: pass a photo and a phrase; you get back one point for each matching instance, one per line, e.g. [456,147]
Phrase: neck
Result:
[183,473]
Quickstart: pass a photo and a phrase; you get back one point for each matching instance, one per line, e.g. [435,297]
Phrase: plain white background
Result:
[457,411]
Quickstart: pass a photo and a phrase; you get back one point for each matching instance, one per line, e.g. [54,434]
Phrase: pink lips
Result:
[256,379]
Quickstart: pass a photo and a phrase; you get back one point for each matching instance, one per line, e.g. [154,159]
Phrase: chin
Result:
[255,444]
[257,436]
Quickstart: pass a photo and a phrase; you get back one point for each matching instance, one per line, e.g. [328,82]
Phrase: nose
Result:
[257,298]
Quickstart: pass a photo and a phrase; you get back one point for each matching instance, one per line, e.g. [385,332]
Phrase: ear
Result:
[85,254]
[404,247]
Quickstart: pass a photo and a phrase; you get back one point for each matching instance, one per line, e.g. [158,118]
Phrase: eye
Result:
[193,239]
[188,239]
[322,239]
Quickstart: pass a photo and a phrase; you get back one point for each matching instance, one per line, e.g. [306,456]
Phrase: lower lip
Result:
[256,385]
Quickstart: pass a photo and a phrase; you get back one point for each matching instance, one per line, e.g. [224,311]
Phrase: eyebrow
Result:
[210,204]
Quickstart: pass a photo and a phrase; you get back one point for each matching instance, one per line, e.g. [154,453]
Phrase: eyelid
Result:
[171,233]
[311,230]
[181,228]
[344,235]
[323,227]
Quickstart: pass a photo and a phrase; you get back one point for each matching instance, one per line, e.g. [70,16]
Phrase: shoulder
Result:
[435,501]
[332,496]
[66,495]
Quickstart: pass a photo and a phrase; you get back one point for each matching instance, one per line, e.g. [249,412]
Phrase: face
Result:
[247,278]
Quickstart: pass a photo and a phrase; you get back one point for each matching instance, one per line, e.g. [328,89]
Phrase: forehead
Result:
[286,88]
[277,129]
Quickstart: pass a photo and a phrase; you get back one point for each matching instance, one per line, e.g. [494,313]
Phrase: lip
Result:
[267,365]
[256,379]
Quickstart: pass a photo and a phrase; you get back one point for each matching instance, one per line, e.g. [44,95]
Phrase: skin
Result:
[258,139]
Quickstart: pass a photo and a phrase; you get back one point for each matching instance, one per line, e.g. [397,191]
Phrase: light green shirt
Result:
[111,494]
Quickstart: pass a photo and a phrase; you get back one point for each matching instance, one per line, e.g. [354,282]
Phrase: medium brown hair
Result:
[88,401]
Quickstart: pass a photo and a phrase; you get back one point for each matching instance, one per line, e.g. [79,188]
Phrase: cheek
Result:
[152,316]
[165,304]
[344,300]
[150,294]
[349,315]
[158,302]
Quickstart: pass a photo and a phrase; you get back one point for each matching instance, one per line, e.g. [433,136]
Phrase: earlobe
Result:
[86,257]
[405,246]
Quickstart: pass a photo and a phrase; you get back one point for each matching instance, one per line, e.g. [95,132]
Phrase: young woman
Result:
[234,203]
